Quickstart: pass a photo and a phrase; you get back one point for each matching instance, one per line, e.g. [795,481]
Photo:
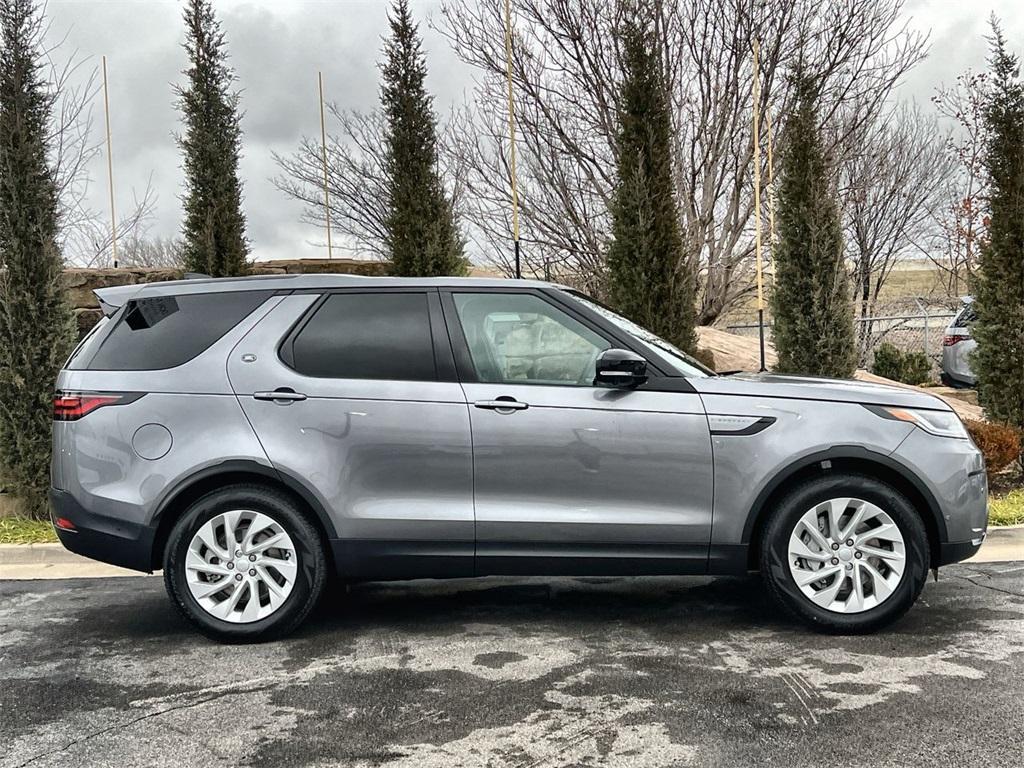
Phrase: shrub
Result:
[999,286]
[36,325]
[999,443]
[213,230]
[906,367]
[651,276]
[420,223]
[888,362]
[810,302]
[917,368]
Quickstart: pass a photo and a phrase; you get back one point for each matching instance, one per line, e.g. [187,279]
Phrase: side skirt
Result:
[386,560]
[538,559]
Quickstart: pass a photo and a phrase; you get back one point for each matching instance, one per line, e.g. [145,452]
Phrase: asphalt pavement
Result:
[514,672]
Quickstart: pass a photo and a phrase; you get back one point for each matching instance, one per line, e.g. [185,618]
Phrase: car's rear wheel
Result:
[845,553]
[244,564]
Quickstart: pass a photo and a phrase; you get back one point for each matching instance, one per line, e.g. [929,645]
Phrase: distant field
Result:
[903,284]
[909,282]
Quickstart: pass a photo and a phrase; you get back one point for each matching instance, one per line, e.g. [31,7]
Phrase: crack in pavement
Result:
[139,719]
[988,586]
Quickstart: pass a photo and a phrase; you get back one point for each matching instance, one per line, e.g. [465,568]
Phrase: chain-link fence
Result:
[910,325]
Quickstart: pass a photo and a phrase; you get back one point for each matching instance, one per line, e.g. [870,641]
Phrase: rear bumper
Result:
[106,539]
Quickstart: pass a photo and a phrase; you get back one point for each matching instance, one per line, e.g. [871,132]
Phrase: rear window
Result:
[165,331]
[367,336]
[967,317]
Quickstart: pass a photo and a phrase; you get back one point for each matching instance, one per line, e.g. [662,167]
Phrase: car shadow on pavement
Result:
[676,607]
[585,602]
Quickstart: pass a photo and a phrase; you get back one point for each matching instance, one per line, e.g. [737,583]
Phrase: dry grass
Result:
[21,530]
[1007,509]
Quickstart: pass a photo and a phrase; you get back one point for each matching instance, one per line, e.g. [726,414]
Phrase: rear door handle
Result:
[283,395]
[506,405]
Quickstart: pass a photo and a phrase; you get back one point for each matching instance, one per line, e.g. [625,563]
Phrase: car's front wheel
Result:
[244,564]
[845,553]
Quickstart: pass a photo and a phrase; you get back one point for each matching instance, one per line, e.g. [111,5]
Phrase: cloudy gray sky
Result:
[277,46]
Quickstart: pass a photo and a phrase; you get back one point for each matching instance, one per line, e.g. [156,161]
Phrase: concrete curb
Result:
[1003,544]
[27,554]
[51,561]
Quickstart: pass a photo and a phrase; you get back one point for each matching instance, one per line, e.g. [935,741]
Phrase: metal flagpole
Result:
[771,186]
[512,134]
[110,165]
[757,198]
[323,152]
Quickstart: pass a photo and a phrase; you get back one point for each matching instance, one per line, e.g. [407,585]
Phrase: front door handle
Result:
[501,405]
[282,395]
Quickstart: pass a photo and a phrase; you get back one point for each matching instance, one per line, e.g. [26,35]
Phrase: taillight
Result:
[64,524]
[71,406]
[953,338]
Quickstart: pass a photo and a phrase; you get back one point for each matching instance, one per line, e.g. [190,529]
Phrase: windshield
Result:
[682,362]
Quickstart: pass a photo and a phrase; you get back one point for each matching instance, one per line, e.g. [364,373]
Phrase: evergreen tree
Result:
[999,358]
[422,234]
[811,303]
[36,326]
[651,278]
[213,233]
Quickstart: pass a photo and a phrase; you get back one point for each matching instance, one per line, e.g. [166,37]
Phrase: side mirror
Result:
[620,368]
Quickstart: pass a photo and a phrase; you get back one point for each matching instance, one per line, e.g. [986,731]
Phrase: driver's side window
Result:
[518,338]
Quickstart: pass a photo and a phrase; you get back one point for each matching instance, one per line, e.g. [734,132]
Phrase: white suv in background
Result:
[957,346]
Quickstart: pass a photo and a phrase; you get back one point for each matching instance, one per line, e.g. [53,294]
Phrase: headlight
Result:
[940,423]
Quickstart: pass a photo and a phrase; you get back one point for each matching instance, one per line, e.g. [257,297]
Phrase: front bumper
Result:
[955,551]
[97,537]
[953,472]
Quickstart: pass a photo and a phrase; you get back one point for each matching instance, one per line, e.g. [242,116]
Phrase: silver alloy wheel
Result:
[847,555]
[241,566]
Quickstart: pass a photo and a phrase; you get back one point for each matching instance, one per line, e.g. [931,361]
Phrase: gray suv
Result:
[254,437]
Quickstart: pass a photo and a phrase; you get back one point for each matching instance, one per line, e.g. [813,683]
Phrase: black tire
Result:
[949,381]
[784,518]
[310,578]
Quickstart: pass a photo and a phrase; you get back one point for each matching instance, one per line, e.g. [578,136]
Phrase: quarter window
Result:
[160,332]
[522,339]
[367,336]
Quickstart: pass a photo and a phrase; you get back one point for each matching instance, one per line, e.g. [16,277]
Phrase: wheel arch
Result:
[854,459]
[205,480]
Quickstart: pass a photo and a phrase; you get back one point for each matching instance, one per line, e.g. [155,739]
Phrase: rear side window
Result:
[366,336]
[166,331]
[87,346]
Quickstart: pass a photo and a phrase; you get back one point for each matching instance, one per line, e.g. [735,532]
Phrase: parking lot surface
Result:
[524,672]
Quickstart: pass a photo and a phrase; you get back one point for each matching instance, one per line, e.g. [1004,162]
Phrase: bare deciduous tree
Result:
[156,252]
[355,178]
[85,235]
[893,186]
[963,221]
